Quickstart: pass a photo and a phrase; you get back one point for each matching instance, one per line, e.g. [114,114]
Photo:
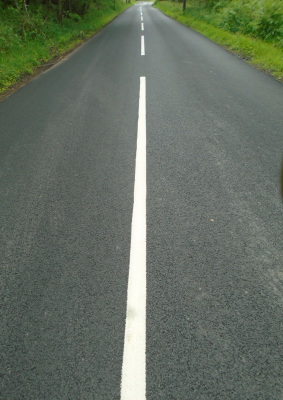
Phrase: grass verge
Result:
[27,56]
[262,55]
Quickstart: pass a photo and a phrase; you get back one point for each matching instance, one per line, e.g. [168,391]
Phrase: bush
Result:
[252,18]
[270,22]
[256,18]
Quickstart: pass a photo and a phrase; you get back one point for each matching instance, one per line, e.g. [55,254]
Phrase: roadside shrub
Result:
[8,39]
[270,21]
[256,18]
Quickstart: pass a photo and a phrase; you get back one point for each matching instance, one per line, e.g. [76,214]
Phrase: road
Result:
[203,237]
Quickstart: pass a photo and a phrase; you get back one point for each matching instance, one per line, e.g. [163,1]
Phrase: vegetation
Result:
[34,31]
[251,28]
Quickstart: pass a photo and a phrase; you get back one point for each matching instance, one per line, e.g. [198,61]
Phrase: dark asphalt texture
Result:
[214,220]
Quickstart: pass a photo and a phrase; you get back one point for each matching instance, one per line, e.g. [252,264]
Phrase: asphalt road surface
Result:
[211,246]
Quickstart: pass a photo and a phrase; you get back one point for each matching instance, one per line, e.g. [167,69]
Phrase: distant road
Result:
[192,208]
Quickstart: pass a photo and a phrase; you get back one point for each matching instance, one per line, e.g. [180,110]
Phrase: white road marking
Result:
[133,384]
[142,46]
[142,28]
[141,18]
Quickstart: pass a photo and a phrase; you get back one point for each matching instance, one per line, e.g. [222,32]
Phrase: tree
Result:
[60,4]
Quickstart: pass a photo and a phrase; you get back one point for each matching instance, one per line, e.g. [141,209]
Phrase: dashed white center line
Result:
[142,46]
[141,18]
[142,27]
[133,383]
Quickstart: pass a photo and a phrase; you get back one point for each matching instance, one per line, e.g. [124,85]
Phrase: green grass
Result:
[22,50]
[266,55]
